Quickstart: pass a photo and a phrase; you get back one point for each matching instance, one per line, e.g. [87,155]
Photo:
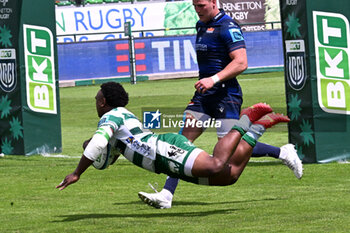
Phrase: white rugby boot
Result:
[290,158]
[159,200]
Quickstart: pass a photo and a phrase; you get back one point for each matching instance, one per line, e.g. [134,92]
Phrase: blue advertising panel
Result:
[155,55]
[264,49]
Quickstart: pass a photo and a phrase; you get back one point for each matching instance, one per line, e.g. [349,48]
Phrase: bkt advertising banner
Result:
[29,101]
[317,47]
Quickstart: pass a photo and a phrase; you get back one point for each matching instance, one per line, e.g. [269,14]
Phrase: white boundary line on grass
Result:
[68,156]
[60,156]
[264,161]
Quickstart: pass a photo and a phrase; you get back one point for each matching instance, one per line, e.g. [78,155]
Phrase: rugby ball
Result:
[108,156]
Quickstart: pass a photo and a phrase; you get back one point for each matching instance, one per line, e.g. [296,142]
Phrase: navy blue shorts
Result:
[227,106]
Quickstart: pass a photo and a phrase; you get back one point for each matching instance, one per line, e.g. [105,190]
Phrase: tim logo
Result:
[8,74]
[295,64]
[123,57]
[152,120]
[40,69]
[332,50]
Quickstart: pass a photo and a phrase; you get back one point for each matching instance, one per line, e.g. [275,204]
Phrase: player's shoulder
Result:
[227,22]
[116,115]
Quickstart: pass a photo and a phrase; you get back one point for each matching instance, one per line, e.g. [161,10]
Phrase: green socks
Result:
[250,133]
[253,134]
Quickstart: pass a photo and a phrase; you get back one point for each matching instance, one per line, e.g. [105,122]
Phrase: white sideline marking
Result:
[69,157]
[59,156]
[264,161]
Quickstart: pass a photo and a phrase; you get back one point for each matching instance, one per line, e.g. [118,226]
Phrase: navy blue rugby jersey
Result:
[215,40]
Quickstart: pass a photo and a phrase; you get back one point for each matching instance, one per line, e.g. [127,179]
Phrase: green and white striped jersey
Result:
[123,130]
[164,153]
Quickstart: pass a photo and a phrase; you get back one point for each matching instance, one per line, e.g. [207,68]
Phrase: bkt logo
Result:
[151,120]
[8,70]
[40,69]
[331,32]
[295,63]
[332,49]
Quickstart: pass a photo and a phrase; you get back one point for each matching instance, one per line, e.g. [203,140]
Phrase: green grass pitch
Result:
[267,198]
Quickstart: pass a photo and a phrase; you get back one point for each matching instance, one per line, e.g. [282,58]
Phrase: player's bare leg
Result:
[236,164]
[232,171]
[206,166]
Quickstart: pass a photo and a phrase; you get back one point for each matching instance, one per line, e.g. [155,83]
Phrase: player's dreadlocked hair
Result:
[115,94]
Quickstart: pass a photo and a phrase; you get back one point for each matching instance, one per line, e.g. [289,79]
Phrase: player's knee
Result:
[234,176]
[228,181]
[216,166]
[233,180]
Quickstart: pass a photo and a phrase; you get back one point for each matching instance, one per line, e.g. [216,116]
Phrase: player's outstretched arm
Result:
[84,163]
